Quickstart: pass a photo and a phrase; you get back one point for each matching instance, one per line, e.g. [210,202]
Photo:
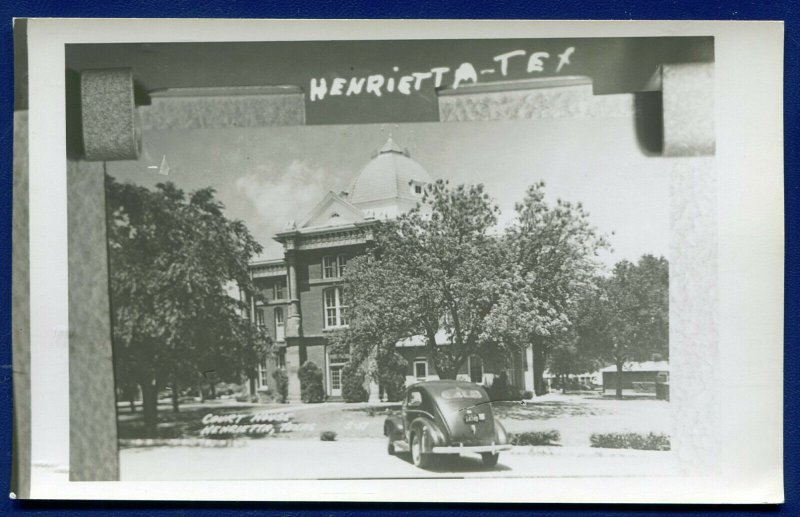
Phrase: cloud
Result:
[282,194]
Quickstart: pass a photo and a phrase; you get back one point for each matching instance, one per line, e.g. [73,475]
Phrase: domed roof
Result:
[391,174]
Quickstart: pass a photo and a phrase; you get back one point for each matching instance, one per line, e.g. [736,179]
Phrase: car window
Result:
[461,394]
[415,398]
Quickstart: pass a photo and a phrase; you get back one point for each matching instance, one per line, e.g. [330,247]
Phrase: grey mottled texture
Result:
[693,315]
[688,97]
[198,109]
[108,115]
[92,408]
[21,313]
[542,103]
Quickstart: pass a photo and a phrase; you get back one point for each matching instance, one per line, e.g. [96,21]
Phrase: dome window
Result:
[417,187]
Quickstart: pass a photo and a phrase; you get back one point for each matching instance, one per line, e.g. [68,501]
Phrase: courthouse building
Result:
[300,297]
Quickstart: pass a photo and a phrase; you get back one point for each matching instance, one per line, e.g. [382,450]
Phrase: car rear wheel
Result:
[420,458]
[489,459]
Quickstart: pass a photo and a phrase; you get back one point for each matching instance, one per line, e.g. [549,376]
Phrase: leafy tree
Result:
[435,268]
[627,317]
[353,378]
[566,356]
[391,374]
[171,256]
[553,252]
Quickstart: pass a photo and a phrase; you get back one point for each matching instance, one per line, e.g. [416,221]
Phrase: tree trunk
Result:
[213,391]
[150,407]
[538,369]
[619,380]
[200,392]
[176,408]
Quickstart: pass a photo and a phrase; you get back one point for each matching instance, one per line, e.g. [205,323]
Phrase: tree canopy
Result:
[432,272]
[627,317]
[171,257]
[553,260]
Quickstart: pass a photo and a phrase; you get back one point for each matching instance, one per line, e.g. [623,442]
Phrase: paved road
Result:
[277,458]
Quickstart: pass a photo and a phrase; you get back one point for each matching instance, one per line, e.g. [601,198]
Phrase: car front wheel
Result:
[489,459]
[420,459]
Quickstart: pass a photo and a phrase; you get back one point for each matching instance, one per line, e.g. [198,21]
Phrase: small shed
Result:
[636,376]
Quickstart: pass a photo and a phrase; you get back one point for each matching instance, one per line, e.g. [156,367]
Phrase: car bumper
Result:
[458,449]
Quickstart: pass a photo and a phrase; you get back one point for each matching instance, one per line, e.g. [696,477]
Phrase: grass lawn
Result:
[576,417]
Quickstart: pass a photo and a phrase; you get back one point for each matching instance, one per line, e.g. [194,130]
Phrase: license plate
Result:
[472,418]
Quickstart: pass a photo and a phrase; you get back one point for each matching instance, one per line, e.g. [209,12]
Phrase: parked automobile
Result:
[446,418]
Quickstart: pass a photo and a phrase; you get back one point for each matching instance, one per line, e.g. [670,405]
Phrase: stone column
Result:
[292,366]
[294,328]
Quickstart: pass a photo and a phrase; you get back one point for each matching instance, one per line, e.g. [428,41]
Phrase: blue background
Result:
[540,9]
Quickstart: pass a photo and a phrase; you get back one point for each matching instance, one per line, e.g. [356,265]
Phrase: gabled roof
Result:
[332,210]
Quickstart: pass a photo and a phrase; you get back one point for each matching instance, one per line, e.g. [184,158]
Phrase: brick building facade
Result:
[300,300]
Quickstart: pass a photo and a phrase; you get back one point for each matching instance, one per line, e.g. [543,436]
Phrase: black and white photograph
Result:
[321,259]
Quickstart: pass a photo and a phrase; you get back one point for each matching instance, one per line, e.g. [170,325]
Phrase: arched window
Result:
[335,307]
[280,334]
[260,317]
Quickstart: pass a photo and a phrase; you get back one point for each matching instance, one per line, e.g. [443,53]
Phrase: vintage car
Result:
[441,418]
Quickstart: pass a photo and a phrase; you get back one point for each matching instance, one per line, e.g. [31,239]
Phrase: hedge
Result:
[640,441]
[550,437]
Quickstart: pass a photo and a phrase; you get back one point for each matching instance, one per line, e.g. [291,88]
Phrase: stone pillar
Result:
[294,329]
[293,320]
[292,366]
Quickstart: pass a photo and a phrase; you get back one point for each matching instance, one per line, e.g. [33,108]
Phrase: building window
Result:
[280,289]
[421,369]
[475,369]
[282,359]
[328,266]
[260,317]
[280,334]
[333,266]
[335,307]
[262,376]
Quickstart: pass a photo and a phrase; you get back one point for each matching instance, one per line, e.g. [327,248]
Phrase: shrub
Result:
[527,395]
[327,436]
[281,384]
[641,441]
[353,384]
[311,390]
[392,374]
[502,390]
[550,437]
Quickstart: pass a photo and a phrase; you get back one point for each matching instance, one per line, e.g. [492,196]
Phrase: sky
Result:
[270,176]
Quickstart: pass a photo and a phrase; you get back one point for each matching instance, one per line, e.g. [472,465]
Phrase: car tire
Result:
[390,448]
[489,459]
[420,459]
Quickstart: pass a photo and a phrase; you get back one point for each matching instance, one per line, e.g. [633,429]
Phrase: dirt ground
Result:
[575,416]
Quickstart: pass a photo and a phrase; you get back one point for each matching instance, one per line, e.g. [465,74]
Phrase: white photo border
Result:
[749,162]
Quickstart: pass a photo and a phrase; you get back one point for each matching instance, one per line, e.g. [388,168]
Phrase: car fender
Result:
[500,434]
[393,428]
[434,437]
